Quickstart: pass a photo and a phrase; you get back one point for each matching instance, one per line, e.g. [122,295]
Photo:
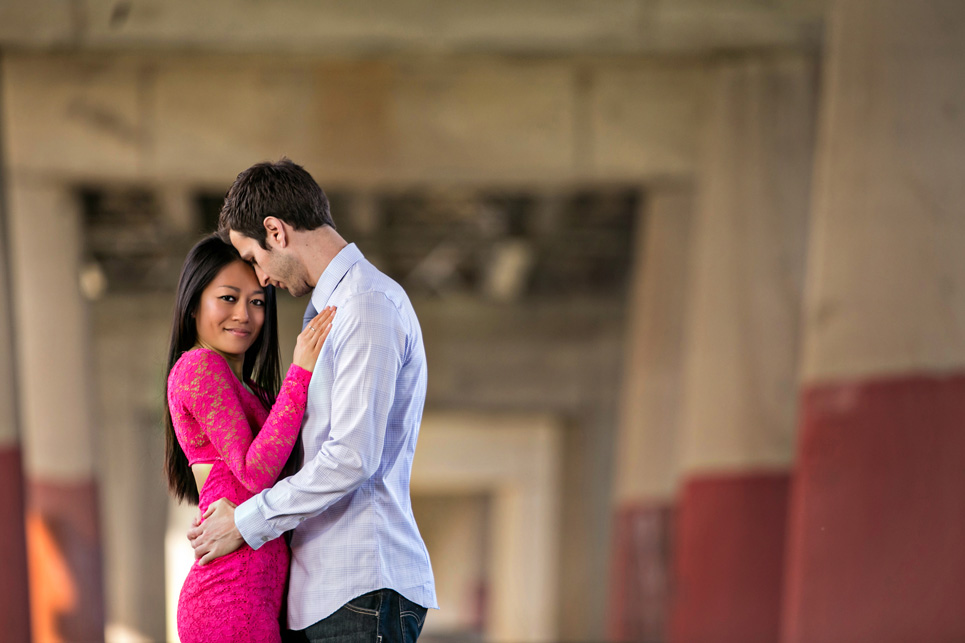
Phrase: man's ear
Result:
[276,232]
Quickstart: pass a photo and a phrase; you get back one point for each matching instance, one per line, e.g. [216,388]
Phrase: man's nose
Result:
[262,277]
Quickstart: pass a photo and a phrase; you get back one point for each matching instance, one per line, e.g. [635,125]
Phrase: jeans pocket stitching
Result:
[361,610]
[416,621]
[418,616]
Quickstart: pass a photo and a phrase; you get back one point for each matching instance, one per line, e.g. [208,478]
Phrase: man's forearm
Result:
[325,479]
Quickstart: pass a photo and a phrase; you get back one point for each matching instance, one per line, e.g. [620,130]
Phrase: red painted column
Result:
[646,477]
[55,391]
[878,504]
[14,588]
[741,372]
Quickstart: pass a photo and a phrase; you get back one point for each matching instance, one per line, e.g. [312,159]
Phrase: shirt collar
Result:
[333,273]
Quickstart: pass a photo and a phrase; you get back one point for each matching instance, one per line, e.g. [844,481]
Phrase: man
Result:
[359,566]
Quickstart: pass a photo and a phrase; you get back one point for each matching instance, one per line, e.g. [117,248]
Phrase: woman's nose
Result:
[241,311]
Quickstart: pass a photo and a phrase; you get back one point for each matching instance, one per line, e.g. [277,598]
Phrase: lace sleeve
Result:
[205,387]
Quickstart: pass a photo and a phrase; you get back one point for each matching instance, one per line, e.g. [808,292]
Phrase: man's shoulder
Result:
[365,279]
[367,292]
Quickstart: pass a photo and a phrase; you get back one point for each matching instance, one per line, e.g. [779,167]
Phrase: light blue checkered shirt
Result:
[349,504]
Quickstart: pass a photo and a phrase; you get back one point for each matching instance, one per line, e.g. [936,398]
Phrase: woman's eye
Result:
[228,298]
[258,302]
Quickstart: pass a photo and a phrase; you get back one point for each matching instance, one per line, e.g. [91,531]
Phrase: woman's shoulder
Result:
[198,362]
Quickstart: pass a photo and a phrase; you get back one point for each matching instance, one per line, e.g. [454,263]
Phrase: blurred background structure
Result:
[691,275]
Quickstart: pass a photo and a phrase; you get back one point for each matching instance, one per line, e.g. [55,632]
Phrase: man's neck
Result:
[319,247]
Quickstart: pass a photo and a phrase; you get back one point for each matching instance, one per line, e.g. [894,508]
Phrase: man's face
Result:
[275,266]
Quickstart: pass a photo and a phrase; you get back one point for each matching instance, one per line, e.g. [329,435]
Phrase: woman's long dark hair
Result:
[261,364]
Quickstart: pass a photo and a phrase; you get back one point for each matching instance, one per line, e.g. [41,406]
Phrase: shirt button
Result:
[264,539]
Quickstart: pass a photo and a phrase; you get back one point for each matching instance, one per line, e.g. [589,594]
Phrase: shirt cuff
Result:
[251,523]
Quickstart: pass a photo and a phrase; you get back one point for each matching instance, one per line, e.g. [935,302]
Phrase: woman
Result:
[230,430]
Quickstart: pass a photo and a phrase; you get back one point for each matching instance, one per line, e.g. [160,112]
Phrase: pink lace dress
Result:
[237,597]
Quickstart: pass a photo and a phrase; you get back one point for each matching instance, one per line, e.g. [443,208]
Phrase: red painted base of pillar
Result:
[877,521]
[730,558]
[14,604]
[640,575]
[66,579]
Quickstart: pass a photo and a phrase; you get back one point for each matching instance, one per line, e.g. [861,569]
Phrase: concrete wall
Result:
[475,119]
[622,27]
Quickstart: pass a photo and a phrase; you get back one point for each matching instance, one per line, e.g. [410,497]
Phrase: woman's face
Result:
[231,311]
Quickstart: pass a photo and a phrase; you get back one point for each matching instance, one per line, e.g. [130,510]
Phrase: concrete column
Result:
[646,463]
[55,378]
[877,516]
[742,351]
[14,604]
[132,448]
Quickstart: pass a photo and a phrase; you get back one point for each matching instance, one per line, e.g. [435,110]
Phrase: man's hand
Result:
[214,534]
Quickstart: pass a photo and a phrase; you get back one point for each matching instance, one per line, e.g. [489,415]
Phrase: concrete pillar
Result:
[646,463]
[56,400]
[132,446]
[14,604]
[741,368]
[877,516]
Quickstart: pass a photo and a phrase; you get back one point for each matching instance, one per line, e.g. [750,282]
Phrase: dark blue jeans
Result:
[382,616]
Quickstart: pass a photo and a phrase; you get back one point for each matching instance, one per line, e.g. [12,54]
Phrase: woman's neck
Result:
[235,362]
